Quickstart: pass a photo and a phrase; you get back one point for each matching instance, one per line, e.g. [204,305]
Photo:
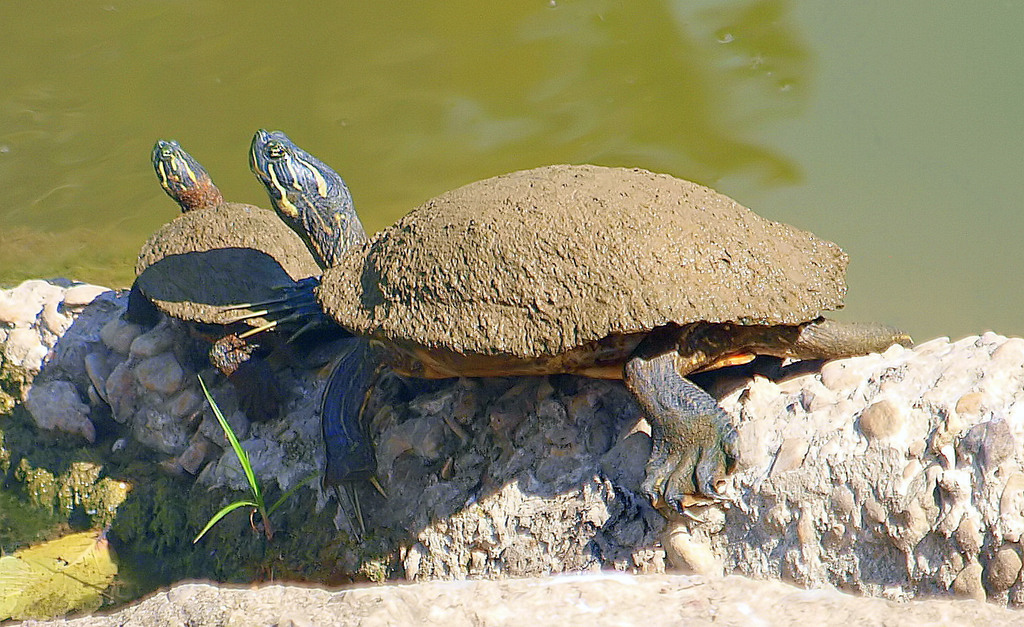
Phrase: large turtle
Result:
[601,272]
[215,254]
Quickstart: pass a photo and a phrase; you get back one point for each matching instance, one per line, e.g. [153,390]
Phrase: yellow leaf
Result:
[54,578]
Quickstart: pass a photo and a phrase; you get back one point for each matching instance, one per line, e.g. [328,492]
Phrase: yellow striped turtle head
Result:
[183,178]
[308,195]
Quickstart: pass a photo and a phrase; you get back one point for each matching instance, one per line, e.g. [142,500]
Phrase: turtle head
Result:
[308,195]
[183,178]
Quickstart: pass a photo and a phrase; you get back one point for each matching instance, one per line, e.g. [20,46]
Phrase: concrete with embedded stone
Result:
[897,475]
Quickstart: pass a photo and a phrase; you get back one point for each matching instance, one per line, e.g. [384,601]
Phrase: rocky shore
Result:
[898,475]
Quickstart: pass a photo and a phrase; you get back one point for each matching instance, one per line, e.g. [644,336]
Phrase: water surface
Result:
[894,130]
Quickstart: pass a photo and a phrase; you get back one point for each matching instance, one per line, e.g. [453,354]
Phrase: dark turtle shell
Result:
[543,261]
[207,259]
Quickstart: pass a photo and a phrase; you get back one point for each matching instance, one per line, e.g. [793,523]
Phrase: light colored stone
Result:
[881,420]
[82,294]
[691,555]
[968,583]
[1002,570]
[24,349]
[56,406]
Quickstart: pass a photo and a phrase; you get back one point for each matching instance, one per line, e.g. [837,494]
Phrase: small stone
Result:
[118,335]
[991,443]
[690,555]
[97,368]
[1003,569]
[882,419]
[24,349]
[1010,354]
[161,373]
[839,375]
[121,393]
[790,456]
[237,420]
[968,582]
[159,431]
[199,449]
[81,295]
[185,403]
[970,403]
[56,406]
[153,342]
[969,538]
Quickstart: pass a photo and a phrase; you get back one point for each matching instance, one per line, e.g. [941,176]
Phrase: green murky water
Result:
[893,129]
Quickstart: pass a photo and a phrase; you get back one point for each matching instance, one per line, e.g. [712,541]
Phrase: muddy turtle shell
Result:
[541,261]
[206,259]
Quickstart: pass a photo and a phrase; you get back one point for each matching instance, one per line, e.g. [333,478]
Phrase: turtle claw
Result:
[683,479]
[692,437]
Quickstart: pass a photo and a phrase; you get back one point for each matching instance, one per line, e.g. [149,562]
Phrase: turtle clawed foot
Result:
[694,475]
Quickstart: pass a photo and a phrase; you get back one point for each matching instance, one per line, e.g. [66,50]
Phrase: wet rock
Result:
[198,451]
[56,406]
[97,367]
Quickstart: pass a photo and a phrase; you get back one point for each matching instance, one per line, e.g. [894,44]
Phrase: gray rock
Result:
[118,335]
[162,373]
[153,342]
[56,406]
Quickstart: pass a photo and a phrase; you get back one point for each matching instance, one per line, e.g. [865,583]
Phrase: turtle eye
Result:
[275,150]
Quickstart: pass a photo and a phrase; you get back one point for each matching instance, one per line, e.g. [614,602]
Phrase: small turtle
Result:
[602,272]
[214,254]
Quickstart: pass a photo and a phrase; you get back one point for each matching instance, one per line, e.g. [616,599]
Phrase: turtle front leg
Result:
[692,436]
[259,393]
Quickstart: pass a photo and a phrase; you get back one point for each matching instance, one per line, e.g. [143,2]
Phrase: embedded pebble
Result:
[968,582]
[185,403]
[692,555]
[970,403]
[880,420]
[1003,570]
[195,454]
[791,455]
[56,406]
[161,373]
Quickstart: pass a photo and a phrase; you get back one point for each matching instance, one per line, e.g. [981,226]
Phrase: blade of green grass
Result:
[221,514]
[240,452]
